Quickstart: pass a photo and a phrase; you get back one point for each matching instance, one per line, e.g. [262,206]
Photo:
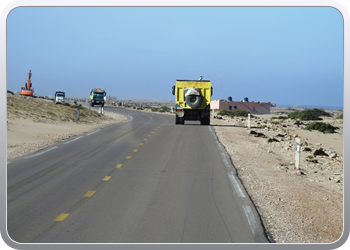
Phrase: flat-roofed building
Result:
[251,107]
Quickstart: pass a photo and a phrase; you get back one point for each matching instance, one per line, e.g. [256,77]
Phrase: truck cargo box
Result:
[204,90]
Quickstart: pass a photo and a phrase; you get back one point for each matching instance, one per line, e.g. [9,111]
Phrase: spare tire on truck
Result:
[193,100]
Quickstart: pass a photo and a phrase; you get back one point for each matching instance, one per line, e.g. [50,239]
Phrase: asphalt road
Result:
[145,180]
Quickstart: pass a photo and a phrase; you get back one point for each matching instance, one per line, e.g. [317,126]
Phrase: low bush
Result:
[234,113]
[241,113]
[304,115]
[223,112]
[279,117]
[164,109]
[320,112]
[154,109]
[321,126]
[308,114]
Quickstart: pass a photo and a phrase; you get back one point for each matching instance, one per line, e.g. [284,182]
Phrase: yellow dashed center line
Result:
[89,194]
[61,217]
[106,178]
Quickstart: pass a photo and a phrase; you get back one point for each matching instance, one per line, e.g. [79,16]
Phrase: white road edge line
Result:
[218,145]
[216,140]
[248,211]
[40,153]
[251,219]
[131,118]
[225,160]
[230,174]
[73,140]
[93,132]
[235,184]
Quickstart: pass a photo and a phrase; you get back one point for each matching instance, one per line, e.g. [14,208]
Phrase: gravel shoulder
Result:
[304,206]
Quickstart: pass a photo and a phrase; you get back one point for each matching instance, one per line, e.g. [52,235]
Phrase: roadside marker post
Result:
[248,120]
[297,153]
[100,109]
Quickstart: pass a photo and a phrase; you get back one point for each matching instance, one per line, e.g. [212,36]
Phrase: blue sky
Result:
[283,55]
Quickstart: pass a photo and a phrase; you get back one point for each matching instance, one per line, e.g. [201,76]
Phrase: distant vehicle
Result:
[97,97]
[27,89]
[60,97]
[192,99]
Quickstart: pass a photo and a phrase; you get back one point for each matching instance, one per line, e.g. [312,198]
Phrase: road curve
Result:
[145,180]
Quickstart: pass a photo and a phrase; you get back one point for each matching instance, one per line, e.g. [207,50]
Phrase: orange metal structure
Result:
[27,89]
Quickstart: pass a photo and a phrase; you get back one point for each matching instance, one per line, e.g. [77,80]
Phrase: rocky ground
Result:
[296,206]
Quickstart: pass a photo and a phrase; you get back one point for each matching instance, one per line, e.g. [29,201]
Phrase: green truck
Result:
[192,99]
[97,97]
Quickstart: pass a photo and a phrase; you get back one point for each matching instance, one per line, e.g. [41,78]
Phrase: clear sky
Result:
[283,55]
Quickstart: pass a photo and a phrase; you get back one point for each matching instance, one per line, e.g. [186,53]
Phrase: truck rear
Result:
[192,99]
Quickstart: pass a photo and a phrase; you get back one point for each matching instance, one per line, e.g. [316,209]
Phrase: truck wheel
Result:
[177,119]
[193,100]
[205,121]
[182,120]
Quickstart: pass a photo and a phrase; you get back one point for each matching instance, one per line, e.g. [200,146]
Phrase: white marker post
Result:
[297,153]
[100,110]
[249,121]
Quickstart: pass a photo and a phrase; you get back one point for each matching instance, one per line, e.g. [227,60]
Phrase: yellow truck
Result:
[192,99]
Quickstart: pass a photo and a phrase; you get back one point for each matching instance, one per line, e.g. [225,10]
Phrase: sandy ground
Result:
[25,136]
[296,206]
